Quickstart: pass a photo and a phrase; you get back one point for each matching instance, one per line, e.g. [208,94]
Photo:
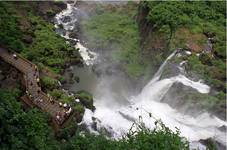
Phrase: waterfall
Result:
[118,120]
[68,26]
[116,113]
[159,72]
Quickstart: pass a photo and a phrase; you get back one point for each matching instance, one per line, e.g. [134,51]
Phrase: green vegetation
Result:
[23,31]
[86,99]
[20,129]
[142,139]
[29,130]
[65,98]
[9,31]
[60,95]
[189,25]
[49,83]
[47,47]
[116,30]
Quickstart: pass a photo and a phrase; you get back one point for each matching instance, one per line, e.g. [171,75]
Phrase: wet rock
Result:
[75,61]
[73,42]
[66,19]
[71,75]
[61,26]
[223,128]
[73,35]
[212,144]
[94,126]
[77,79]
[170,70]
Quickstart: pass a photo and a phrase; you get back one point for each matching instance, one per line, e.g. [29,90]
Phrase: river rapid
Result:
[119,104]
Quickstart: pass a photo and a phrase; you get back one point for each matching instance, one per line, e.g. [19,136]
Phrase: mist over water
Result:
[118,104]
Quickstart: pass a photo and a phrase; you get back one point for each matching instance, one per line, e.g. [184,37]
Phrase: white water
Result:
[118,117]
[88,56]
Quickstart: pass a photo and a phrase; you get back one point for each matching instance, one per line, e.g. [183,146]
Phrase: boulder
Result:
[73,42]
[73,35]
[66,19]
[212,144]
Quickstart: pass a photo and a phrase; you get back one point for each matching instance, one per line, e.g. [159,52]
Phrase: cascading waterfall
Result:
[71,12]
[117,116]
[159,72]
[119,119]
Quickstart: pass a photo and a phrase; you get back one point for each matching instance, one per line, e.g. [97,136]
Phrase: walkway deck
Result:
[34,95]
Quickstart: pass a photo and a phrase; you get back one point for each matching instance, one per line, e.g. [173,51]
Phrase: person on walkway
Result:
[15,56]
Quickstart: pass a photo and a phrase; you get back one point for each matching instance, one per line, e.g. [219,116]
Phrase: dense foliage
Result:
[29,130]
[141,139]
[23,31]
[20,129]
[47,47]
[9,30]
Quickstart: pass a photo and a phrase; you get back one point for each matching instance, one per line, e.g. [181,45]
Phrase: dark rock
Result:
[61,26]
[212,144]
[70,2]
[223,128]
[73,42]
[73,35]
[27,39]
[60,5]
[71,75]
[77,79]
[66,19]
[75,61]
[94,126]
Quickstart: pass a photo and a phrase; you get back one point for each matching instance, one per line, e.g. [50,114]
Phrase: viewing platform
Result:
[34,96]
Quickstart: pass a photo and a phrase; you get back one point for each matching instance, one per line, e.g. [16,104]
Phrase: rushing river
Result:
[118,105]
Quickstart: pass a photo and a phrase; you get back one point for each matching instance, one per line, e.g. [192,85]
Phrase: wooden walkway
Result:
[34,95]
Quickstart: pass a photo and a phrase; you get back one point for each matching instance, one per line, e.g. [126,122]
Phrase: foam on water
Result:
[88,56]
[120,119]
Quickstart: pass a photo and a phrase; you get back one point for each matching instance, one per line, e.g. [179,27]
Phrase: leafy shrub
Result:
[49,83]
[20,129]
[79,108]
[85,98]
[142,139]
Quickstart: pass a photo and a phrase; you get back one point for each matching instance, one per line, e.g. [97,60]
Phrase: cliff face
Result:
[200,33]
[154,43]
